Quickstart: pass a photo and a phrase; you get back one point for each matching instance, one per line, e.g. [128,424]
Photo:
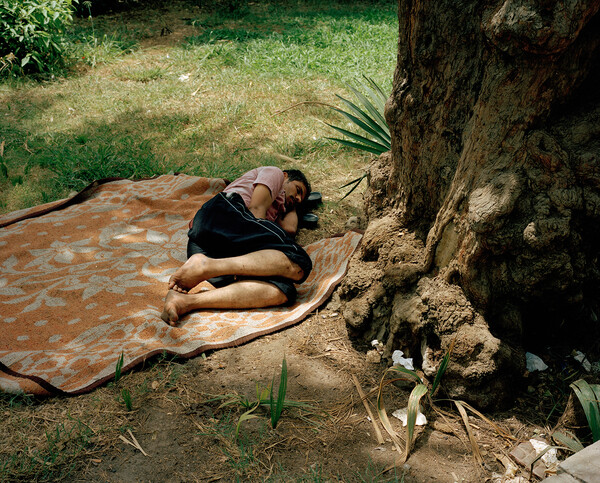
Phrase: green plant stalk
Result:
[126,396]
[442,369]
[245,417]
[412,412]
[277,408]
[118,368]
[355,183]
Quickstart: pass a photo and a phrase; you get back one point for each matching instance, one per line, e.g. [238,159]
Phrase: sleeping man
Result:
[241,241]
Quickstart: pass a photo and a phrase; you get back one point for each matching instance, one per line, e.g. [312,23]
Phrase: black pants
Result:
[224,227]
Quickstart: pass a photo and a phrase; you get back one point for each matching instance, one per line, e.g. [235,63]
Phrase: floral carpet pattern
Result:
[83,280]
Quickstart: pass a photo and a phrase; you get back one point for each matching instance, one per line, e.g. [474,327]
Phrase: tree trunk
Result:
[483,219]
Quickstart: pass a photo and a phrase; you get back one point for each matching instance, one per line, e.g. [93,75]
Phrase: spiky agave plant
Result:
[371,133]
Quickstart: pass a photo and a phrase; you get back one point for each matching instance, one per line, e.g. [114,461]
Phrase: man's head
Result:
[296,187]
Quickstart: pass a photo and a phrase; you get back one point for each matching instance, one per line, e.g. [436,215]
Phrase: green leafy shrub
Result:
[31,35]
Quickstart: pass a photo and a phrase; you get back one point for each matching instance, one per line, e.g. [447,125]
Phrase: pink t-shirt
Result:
[272,178]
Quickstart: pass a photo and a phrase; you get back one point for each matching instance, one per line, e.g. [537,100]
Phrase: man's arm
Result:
[289,223]
[260,201]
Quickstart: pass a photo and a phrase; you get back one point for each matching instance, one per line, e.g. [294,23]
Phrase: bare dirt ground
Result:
[186,434]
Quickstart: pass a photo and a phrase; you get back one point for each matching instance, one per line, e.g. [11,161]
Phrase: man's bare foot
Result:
[175,307]
[190,274]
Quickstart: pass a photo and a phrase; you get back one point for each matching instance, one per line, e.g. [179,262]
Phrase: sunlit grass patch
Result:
[340,41]
[143,74]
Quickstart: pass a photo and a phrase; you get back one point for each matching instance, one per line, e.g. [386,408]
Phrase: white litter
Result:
[401,415]
[407,362]
[184,77]
[534,363]
[582,358]
[549,458]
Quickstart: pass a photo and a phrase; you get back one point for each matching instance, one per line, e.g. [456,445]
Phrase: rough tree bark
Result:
[483,219]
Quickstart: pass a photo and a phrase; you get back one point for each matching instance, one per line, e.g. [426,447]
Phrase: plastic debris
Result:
[184,77]
[397,359]
[582,358]
[378,346]
[534,363]
[401,415]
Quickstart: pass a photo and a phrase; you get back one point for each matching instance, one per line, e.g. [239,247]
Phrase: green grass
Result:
[205,105]
[335,40]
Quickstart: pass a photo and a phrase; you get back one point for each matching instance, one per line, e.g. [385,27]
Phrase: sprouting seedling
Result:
[277,406]
[126,397]
[118,368]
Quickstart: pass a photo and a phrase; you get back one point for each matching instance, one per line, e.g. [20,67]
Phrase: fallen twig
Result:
[135,443]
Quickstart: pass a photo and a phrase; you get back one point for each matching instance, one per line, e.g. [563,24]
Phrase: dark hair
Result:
[297,175]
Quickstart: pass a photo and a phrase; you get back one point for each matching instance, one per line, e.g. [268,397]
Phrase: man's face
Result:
[295,192]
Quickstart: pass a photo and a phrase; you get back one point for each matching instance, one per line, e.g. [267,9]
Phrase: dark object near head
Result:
[308,220]
[313,200]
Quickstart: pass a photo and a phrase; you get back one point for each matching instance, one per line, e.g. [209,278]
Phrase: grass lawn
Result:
[202,99]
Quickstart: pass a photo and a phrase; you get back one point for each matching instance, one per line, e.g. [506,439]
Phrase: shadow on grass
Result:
[42,167]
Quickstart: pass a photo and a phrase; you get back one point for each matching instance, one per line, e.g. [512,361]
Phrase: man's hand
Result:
[289,223]
[261,201]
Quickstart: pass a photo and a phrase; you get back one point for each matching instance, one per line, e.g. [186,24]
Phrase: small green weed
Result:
[265,399]
[94,47]
[369,119]
[119,368]
[264,396]
[126,398]
[93,50]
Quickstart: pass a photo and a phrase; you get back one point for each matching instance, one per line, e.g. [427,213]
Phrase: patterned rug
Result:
[83,280]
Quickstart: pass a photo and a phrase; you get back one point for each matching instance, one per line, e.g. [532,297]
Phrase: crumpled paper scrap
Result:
[550,457]
[397,359]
